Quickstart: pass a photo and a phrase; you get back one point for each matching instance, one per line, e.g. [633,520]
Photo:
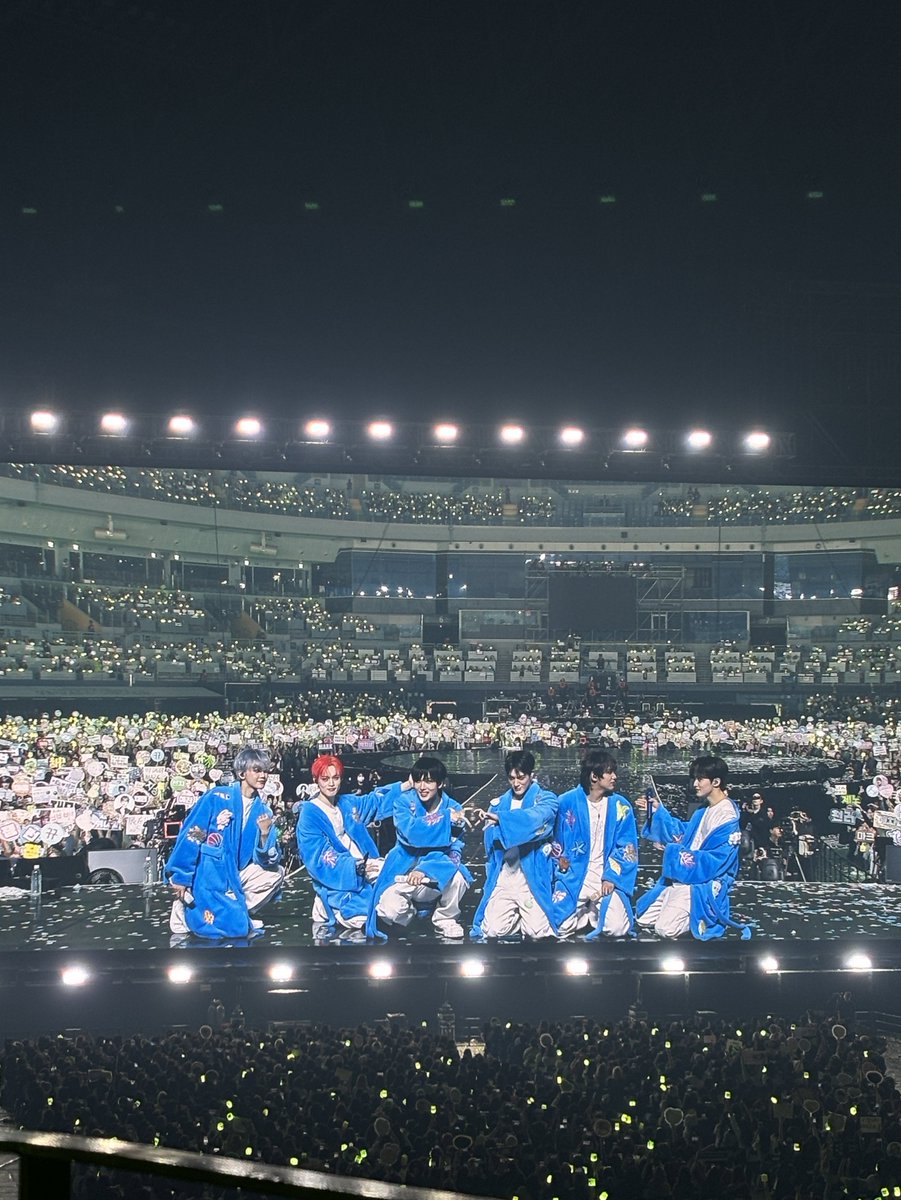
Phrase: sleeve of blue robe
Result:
[620,845]
[328,861]
[664,828]
[534,822]
[268,854]
[717,859]
[199,822]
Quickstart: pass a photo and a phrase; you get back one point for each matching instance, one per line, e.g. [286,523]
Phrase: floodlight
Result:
[571,435]
[699,439]
[380,431]
[635,439]
[859,962]
[472,968]
[757,441]
[114,423]
[512,435]
[317,430]
[281,972]
[248,427]
[381,969]
[181,425]
[672,964]
[181,973]
[769,963]
[446,433]
[43,421]
[577,966]
[74,976]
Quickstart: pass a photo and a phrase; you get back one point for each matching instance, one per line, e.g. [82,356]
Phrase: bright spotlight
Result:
[672,964]
[472,968]
[769,964]
[572,436]
[114,423]
[318,431]
[75,976]
[699,439]
[381,969]
[248,427]
[181,425]
[43,421]
[281,972]
[757,441]
[446,433]
[635,439]
[859,962]
[577,966]
[181,973]
[512,435]
[380,431]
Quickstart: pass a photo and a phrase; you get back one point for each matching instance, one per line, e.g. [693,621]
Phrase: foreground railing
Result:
[45,1162]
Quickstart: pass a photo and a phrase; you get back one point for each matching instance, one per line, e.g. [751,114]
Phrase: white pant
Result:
[616,921]
[259,884]
[669,914]
[513,909]
[400,901]
[321,917]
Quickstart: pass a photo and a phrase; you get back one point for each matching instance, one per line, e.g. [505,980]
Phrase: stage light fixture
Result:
[859,962]
[74,976]
[114,423]
[577,966]
[446,433]
[472,968]
[381,969]
[699,439]
[635,439]
[672,964]
[248,427]
[318,430]
[757,441]
[180,973]
[380,431]
[181,425]
[512,435]
[571,435]
[44,421]
[281,972]
[769,963]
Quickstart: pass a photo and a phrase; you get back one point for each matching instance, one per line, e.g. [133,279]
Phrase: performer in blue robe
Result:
[594,853]
[424,874]
[337,849]
[700,861]
[226,861]
[517,834]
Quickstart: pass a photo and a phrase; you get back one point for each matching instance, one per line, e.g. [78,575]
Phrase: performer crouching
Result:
[700,861]
[424,874]
[595,853]
[226,862]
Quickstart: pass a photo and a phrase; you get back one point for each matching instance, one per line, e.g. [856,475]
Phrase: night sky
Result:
[318,287]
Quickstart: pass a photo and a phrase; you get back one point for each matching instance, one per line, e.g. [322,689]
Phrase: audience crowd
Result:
[765,1109]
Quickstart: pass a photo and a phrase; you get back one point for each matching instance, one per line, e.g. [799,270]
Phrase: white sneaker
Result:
[450,929]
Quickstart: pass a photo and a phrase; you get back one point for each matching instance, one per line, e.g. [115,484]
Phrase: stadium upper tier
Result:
[474,502]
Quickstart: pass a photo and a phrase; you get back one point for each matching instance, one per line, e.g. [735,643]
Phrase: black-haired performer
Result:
[700,861]
[424,874]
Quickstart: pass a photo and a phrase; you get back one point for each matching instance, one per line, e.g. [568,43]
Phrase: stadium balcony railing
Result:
[45,1170]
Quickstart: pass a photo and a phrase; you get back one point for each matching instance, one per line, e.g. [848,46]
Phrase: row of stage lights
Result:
[251,428]
[469,968]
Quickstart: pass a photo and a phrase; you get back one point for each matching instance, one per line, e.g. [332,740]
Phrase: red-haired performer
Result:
[337,848]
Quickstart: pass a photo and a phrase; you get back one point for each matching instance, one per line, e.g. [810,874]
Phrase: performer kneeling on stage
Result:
[517,834]
[424,873]
[337,848]
[226,862]
[595,853]
[700,861]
